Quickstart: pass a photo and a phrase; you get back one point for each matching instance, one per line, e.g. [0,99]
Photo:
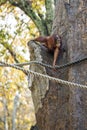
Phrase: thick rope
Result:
[56,66]
[49,66]
[2,64]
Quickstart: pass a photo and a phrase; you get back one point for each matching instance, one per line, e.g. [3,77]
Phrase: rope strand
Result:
[2,64]
[49,66]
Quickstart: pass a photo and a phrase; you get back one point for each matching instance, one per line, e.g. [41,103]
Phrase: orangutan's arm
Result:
[56,53]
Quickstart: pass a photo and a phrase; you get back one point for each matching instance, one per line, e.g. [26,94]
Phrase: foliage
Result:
[17,26]
[14,35]
[35,10]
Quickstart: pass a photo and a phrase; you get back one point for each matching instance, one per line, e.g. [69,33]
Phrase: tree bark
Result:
[50,98]
[15,106]
[5,114]
[57,106]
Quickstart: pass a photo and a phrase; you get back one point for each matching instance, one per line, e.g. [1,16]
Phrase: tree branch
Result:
[13,2]
[27,8]
[9,48]
[2,2]
[49,4]
[44,25]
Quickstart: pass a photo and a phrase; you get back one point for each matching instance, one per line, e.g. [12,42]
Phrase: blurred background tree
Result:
[20,21]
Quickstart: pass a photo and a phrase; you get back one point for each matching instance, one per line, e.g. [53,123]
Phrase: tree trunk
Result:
[57,106]
[15,106]
[5,114]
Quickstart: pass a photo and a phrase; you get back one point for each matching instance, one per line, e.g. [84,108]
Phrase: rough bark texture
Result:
[62,107]
[49,103]
[38,85]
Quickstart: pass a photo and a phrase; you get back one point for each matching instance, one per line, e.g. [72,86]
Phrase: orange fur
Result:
[52,42]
